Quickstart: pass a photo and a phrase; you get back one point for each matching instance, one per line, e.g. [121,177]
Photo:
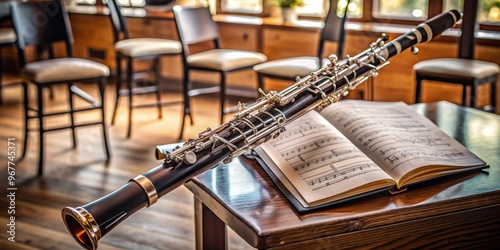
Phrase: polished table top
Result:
[245,198]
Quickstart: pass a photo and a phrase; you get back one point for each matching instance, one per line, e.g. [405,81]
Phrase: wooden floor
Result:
[74,177]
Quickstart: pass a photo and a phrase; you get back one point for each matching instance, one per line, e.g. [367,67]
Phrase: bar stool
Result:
[195,25]
[289,68]
[7,38]
[463,70]
[46,73]
[132,49]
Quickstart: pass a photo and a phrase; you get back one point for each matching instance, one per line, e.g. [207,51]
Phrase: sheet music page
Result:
[397,138]
[319,161]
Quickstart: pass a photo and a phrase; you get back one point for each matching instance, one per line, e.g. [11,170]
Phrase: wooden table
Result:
[457,211]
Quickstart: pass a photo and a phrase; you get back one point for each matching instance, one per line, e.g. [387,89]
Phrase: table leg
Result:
[209,229]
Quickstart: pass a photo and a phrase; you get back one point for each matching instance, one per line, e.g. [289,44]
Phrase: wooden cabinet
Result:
[93,38]
[235,36]
[281,43]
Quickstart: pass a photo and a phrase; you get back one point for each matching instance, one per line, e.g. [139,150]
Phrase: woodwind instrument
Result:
[253,125]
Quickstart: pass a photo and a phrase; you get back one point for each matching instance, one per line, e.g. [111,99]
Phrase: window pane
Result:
[354,9]
[453,5]
[318,7]
[138,3]
[85,2]
[312,8]
[246,6]
[401,9]
[489,11]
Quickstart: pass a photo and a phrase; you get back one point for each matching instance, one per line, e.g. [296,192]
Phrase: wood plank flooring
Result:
[74,177]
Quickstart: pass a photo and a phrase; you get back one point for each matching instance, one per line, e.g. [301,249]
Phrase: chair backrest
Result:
[467,40]
[333,30]
[4,11]
[195,25]
[40,24]
[117,20]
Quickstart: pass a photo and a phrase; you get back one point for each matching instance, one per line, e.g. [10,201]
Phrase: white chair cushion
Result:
[136,47]
[7,36]
[63,69]
[291,67]
[457,67]
[225,59]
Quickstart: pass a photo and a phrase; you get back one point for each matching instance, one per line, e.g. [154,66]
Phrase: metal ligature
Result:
[253,125]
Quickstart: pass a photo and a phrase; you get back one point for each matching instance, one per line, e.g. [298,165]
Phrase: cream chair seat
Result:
[457,67]
[225,59]
[291,67]
[63,69]
[7,35]
[138,47]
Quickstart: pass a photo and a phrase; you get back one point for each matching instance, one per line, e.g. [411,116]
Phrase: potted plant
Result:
[288,8]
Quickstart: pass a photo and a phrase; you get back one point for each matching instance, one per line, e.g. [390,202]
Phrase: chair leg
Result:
[1,96]
[41,132]
[130,71]
[418,89]
[222,96]
[186,101]
[71,113]
[102,85]
[156,66]
[51,93]
[464,96]
[118,83]
[260,79]
[25,103]
[493,93]
[473,94]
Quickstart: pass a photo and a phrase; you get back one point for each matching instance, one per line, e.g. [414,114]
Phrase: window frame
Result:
[434,8]
[266,10]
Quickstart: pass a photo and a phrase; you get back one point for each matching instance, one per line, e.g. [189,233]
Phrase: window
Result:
[244,6]
[354,9]
[453,5]
[86,2]
[134,3]
[312,8]
[401,9]
[318,7]
[489,12]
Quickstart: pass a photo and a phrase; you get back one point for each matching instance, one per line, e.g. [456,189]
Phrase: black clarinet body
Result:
[252,126]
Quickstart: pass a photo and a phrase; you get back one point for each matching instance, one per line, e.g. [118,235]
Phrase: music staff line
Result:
[314,143]
[426,142]
[330,158]
[298,130]
[418,153]
[334,170]
[284,148]
[327,179]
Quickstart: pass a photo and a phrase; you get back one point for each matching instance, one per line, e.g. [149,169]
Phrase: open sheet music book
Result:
[355,148]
